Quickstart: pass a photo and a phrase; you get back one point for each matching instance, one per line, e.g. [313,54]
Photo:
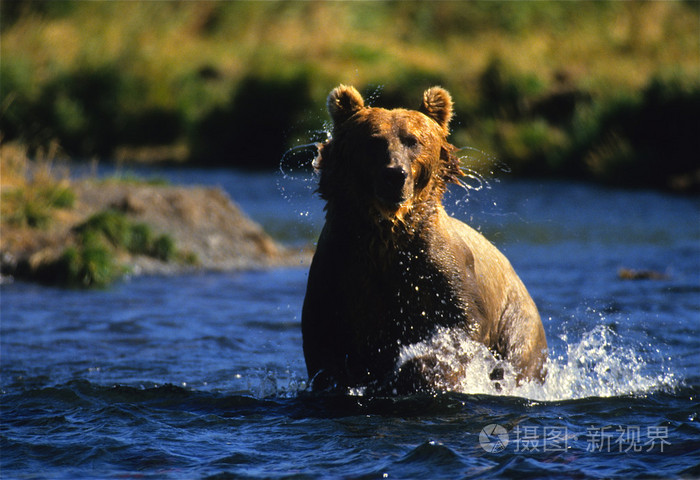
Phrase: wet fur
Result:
[387,273]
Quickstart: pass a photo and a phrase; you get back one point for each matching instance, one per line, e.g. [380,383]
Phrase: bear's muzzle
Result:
[393,186]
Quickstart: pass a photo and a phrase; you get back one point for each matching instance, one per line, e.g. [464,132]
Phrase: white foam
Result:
[597,365]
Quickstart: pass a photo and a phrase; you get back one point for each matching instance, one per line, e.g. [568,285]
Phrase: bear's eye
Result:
[409,140]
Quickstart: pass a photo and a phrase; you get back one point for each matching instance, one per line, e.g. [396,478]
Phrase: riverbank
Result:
[92,231]
[609,95]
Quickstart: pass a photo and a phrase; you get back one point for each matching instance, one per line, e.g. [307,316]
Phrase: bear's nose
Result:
[394,177]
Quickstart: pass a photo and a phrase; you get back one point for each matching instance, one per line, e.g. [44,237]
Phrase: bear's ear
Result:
[343,102]
[437,104]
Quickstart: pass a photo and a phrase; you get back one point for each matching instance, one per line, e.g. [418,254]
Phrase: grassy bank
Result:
[48,237]
[88,232]
[601,90]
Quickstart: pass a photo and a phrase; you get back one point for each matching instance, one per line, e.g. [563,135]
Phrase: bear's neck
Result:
[368,229]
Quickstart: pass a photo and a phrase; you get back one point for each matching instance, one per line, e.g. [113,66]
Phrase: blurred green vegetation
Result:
[40,211]
[91,264]
[32,206]
[92,260]
[121,233]
[31,197]
[601,90]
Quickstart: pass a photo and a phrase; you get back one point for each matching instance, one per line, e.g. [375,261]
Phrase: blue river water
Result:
[203,376]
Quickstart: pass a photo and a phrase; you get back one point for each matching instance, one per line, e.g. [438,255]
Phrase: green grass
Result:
[92,261]
[34,193]
[33,204]
[237,83]
[91,264]
[641,138]
[123,234]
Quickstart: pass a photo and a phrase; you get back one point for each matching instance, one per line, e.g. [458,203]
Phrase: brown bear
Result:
[392,268]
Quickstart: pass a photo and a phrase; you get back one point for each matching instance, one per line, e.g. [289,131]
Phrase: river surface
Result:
[203,375]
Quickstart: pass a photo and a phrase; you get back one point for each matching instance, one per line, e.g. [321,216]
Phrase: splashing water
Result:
[599,365]
[298,177]
[374,95]
[472,160]
[480,170]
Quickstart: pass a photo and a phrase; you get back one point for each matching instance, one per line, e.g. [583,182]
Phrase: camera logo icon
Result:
[493,438]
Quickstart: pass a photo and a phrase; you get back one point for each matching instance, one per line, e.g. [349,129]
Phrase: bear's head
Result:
[384,164]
